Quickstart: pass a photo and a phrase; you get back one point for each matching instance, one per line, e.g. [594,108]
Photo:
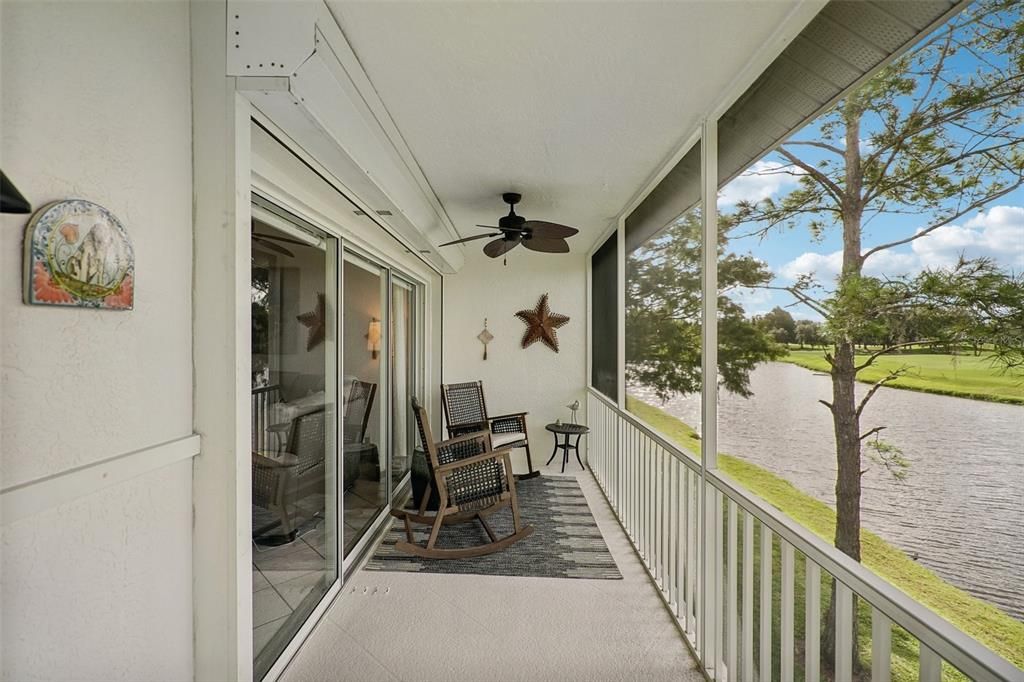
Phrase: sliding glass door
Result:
[365,387]
[294,302]
[404,377]
[336,354]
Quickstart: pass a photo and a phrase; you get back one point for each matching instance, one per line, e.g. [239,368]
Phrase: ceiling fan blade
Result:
[505,229]
[546,245]
[469,239]
[501,246]
[279,238]
[542,228]
[266,243]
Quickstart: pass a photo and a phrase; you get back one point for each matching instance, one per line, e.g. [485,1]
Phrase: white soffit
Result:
[571,104]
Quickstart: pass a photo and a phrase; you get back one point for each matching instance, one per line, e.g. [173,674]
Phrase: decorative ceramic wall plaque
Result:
[78,253]
[541,324]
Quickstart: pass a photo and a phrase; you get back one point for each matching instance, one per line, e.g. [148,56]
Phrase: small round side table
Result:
[567,430]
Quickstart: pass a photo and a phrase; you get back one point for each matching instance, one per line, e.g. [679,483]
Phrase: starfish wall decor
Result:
[315,320]
[541,324]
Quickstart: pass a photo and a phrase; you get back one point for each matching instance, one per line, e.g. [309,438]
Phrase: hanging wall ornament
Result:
[78,253]
[541,324]
[485,337]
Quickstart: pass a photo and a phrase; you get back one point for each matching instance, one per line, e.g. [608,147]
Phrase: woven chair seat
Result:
[513,439]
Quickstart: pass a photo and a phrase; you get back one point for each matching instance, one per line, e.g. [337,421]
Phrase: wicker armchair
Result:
[297,471]
[465,411]
[472,482]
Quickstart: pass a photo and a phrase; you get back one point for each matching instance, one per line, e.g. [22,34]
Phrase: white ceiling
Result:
[572,104]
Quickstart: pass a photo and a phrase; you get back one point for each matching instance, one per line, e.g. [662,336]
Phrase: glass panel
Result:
[403,373]
[364,426]
[664,281]
[876,392]
[605,345]
[294,450]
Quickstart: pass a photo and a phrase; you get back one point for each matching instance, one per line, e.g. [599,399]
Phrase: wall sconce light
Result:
[373,337]
[11,200]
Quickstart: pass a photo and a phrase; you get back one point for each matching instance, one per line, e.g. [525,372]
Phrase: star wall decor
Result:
[541,324]
[315,320]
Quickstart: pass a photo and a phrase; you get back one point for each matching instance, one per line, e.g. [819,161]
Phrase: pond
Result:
[960,510]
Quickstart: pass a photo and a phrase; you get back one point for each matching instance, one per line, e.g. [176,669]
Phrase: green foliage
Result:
[663,314]
[779,323]
[888,456]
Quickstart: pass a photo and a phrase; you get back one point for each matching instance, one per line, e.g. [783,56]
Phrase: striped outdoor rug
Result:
[566,542]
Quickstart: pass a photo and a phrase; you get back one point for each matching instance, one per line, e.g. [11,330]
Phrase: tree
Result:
[923,137]
[809,332]
[663,314]
[780,324]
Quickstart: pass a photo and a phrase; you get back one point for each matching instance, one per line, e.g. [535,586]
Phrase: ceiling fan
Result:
[270,241]
[513,230]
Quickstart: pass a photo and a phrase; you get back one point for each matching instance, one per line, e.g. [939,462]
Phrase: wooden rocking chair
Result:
[472,482]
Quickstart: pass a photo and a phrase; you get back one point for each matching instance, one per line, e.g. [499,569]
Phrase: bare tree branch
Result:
[895,374]
[888,349]
[871,432]
[835,190]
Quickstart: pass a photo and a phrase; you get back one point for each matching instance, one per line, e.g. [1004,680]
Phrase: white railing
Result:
[703,539]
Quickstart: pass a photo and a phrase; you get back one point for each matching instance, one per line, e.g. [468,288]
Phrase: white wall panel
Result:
[535,379]
[96,105]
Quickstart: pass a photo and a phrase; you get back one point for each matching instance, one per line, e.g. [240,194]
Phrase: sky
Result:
[996,232]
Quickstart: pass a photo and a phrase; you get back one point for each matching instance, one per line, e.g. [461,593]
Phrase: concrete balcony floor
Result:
[426,627]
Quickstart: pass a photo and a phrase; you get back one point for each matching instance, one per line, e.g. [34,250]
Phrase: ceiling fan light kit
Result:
[513,229]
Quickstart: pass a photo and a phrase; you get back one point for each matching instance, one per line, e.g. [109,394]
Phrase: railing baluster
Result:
[766,604]
[732,612]
[663,515]
[812,621]
[786,605]
[691,569]
[673,531]
[718,581]
[881,646]
[930,665]
[844,631]
[687,551]
[748,596]
[644,501]
[669,463]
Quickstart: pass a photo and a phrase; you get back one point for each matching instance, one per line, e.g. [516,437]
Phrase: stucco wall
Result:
[96,105]
[536,379]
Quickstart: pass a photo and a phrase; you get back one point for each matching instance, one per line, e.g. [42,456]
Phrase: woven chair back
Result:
[464,403]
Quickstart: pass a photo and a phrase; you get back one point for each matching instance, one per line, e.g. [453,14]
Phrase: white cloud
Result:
[997,234]
[755,301]
[753,185]
[824,266]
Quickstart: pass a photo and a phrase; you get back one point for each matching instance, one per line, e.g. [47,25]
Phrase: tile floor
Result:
[395,626]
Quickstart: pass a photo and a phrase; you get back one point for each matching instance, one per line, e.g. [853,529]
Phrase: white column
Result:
[222,573]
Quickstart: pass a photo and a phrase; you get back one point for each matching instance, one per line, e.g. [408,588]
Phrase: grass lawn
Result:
[986,623]
[966,376]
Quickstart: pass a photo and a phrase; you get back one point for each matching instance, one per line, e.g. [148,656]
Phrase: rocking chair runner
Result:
[465,411]
[472,482]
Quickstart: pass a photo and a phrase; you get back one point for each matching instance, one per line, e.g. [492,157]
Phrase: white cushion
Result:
[499,439]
